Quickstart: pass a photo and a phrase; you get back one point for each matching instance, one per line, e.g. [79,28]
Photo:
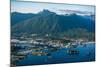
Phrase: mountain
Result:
[69,11]
[49,22]
[91,17]
[17,17]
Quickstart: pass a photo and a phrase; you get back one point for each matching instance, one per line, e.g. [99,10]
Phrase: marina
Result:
[47,54]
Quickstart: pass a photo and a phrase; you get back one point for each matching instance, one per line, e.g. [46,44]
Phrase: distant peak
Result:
[18,13]
[15,12]
[46,11]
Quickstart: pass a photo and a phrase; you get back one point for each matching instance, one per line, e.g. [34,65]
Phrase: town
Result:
[43,46]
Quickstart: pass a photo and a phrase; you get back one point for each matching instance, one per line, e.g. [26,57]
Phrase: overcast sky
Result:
[34,7]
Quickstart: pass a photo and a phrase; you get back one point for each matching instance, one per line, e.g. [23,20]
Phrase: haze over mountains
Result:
[50,22]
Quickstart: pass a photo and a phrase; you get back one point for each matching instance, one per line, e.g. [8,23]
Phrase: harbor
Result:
[43,51]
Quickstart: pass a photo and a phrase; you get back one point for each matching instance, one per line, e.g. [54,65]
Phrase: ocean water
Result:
[86,53]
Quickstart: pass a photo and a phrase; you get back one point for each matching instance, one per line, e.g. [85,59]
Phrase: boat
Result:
[39,53]
[73,52]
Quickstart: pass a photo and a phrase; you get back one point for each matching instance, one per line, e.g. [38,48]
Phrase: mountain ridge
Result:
[50,22]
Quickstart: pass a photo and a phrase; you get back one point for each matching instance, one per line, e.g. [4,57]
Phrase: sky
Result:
[35,7]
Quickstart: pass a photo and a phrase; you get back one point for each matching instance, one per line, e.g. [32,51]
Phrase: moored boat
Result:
[73,52]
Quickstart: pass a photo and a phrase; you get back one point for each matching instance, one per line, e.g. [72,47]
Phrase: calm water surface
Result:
[61,56]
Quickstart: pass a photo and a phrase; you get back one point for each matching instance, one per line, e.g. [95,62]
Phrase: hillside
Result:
[49,22]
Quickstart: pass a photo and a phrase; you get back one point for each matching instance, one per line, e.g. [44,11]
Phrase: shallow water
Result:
[61,56]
